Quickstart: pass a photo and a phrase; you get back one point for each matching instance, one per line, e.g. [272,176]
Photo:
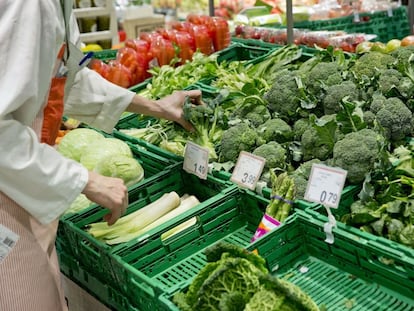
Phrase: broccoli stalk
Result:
[204,119]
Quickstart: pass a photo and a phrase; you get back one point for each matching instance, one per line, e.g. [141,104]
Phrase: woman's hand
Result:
[173,106]
[108,192]
[169,107]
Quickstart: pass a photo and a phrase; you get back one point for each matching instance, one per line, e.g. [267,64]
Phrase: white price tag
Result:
[248,169]
[196,160]
[325,185]
[8,240]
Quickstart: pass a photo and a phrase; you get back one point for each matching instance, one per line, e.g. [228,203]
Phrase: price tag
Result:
[8,240]
[196,160]
[248,169]
[325,185]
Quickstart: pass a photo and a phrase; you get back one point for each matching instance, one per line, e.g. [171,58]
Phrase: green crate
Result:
[319,211]
[256,42]
[380,23]
[347,275]
[95,255]
[105,55]
[242,52]
[154,267]
[104,293]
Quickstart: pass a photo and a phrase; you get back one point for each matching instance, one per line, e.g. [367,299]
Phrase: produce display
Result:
[323,38]
[106,156]
[183,243]
[234,279]
[174,46]
[133,225]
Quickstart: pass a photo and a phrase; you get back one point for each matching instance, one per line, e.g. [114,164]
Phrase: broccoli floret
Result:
[323,74]
[393,83]
[274,154]
[299,127]
[368,65]
[357,152]
[395,118]
[377,103]
[335,94]
[207,121]
[283,96]
[388,80]
[404,57]
[255,113]
[318,140]
[300,176]
[240,137]
[369,118]
[275,130]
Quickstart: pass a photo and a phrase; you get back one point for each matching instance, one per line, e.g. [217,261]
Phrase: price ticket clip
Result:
[327,228]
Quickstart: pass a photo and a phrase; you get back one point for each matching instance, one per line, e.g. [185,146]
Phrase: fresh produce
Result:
[137,223]
[73,144]
[234,279]
[384,206]
[282,196]
[99,150]
[121,166]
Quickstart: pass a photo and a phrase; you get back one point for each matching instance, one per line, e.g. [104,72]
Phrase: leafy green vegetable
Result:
[76,141]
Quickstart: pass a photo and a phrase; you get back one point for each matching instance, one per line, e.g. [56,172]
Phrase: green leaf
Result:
[350,117]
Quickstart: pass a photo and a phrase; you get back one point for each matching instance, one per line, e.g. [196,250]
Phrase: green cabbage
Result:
[100,149]
[80,203]
[75,141]
[121,166]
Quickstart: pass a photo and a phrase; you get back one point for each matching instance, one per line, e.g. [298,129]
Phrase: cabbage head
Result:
[103,148]
[75,141]
[80,203]
[121,166]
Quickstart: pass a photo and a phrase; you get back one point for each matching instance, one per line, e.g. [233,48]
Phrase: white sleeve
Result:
[32,174]
[96,101]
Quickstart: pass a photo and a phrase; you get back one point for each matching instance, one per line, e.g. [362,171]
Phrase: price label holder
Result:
[325,187]
[248,169]
[196,160]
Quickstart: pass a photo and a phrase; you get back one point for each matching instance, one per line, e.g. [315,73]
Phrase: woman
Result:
[37,184]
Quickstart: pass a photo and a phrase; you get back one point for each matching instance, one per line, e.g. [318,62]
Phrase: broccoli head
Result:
[391,83]
[275,130]
[240,137]
[395,118]
[318,140]
[367,66]
[357,153]
[301,175]
[283,96]
[403,58]
[299,127]
[274,154]
[335,93]
[255,111]
[323,74]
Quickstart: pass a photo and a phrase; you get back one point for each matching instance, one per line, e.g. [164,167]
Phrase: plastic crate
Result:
[387,25]
[105,55]
[95,255]
[155,267]
[347,275]
[103,292]
[319,211]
